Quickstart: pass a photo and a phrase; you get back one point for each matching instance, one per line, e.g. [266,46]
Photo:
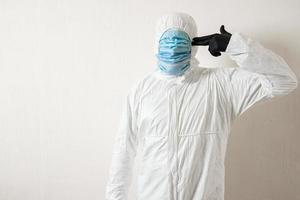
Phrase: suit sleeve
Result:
[124,150]
[261,74]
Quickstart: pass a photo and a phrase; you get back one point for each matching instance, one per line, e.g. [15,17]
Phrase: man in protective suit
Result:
[180,114]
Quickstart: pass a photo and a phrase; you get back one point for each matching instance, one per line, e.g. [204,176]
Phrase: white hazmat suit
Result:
[181,124]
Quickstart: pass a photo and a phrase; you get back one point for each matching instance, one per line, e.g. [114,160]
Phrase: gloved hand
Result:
[217,42]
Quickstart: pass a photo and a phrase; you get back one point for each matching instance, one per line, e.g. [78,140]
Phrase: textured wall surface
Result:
[66,65]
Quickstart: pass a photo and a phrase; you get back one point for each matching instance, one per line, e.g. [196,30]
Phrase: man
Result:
[180,114]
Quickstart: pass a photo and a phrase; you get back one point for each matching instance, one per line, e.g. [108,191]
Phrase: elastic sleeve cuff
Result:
[237,44]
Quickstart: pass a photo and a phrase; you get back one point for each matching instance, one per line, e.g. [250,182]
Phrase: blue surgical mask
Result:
[174,52]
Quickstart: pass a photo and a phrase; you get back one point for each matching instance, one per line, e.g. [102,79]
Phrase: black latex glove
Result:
[217,42]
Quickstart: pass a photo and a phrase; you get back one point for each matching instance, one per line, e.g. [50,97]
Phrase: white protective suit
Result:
[181,124]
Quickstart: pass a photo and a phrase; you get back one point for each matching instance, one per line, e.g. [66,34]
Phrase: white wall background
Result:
[66,65]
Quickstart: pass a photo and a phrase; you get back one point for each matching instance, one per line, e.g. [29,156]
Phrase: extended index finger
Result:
[203,40]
